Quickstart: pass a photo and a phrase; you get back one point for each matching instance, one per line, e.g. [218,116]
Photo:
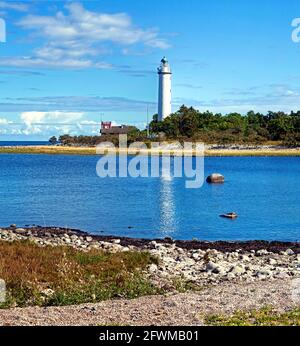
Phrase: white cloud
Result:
[34,124]
[11,5]
[4,121]
[32,62]
[76,37]
[47,122]
[30,118]
[264,98]
[89,122]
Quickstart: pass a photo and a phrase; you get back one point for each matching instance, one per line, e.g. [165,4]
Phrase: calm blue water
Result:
[65,191]
[22,143]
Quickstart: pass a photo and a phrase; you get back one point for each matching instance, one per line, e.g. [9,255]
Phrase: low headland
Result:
[76,278]
[235,134]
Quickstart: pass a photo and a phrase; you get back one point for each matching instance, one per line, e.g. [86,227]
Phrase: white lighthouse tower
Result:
[164,89]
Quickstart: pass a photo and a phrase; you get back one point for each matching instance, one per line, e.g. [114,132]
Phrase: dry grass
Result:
[62,150]
[63,275]
[48,149]
[253,152]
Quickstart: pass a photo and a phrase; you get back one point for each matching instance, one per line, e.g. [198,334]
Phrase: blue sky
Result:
[65,64]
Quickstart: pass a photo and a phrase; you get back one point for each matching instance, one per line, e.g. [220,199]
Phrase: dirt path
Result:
[176,309]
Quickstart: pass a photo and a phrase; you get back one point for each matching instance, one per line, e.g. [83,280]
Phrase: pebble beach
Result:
[263,273]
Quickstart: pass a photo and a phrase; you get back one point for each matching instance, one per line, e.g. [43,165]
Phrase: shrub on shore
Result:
[61,275]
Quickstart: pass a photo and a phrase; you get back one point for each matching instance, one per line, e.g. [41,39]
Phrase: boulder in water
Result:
[215,178]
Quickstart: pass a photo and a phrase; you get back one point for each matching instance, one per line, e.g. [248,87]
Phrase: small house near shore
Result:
[107,129]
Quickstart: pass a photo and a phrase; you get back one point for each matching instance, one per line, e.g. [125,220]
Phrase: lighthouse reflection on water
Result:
[167,205]
[168,223]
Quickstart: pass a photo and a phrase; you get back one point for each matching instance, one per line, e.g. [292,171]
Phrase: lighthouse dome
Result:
[164,66]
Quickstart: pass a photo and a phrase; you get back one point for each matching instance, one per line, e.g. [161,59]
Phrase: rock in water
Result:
[215,178]
[231,215]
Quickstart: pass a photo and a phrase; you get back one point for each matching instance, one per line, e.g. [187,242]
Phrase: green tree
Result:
[53,140]
[66,139]
[279,126]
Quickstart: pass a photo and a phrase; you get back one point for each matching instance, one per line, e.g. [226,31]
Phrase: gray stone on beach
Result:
[212,267]
[222,271]
[238,269]
[281,275]
[67,240]
[244,258]
[263,273]
[153,244]
[195,256]
[230,276]
[262,252]
[20,230]
[48,292]
[272,261]
[153,268]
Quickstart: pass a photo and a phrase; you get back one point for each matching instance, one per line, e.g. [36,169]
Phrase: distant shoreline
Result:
[217,151]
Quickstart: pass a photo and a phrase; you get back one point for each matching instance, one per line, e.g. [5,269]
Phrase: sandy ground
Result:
[173,309]
[208,152]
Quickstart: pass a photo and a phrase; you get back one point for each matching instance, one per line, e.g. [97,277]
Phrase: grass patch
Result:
[61,275]
[183,286]
[262,317]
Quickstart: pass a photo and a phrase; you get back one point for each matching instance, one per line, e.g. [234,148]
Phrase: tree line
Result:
[230,128]
[189,123]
